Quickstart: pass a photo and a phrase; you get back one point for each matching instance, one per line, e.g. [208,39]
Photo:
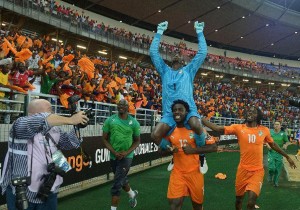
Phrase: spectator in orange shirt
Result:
[251,137]
[185,178]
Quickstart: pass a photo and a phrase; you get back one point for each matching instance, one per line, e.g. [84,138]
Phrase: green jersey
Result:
[279,138]
[121,133]
[47,84]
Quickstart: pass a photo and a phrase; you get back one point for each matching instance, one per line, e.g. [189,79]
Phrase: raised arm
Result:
[158,62]
[57,120]
[197,61]
[28,127]
[213,126]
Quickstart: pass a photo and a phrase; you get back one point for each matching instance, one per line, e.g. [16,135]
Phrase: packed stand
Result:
[215,99]
[78,17]
[40,65]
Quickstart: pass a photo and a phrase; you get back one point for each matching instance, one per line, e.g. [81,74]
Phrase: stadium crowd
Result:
[79,18]
[33,63]
[42,65]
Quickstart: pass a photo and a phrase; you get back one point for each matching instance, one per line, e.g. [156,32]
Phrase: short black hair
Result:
[259,118]
[185,104]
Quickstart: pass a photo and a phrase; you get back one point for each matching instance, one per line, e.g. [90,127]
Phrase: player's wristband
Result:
[160,31]
[164,144]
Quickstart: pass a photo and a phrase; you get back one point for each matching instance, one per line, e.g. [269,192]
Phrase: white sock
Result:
[113,208]
[131,193]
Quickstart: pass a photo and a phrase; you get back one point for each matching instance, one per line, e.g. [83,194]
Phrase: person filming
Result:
[34,164]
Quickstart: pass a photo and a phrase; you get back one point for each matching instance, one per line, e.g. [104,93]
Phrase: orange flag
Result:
[29,85]
[21,40]
[17,88]
[135,87]
[110,90]
[68,58]
[64,100]
[5,48]
[23,55]
[87,66]
[123,81]
[28,43]
[47,60]
[38,43]
[10,46]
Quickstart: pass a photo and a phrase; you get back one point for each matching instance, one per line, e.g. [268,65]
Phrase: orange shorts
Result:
[186,184]
[248,180]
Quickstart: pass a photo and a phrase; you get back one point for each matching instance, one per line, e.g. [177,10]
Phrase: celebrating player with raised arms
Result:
[177,83]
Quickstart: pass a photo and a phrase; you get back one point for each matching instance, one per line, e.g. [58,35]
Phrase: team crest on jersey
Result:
[130,122]
[172,137]
[180,71]
[191,135]
[260,133]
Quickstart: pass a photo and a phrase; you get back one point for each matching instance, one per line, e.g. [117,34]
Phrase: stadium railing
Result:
[46,15]
[146,117]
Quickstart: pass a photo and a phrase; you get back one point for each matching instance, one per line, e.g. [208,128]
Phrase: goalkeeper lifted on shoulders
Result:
[177,83]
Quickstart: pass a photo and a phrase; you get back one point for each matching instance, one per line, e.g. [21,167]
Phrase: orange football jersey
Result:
[182,162]
[251,142]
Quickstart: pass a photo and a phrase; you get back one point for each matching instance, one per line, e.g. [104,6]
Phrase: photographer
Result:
[31,176]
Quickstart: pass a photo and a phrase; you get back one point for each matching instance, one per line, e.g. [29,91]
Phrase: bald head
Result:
[39,106]
[123,102]
[122,107]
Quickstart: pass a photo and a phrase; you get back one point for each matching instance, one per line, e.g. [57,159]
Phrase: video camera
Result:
[295,102]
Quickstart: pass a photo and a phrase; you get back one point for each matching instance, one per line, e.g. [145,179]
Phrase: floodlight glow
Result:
[123,57]
[81,47]
[102,52]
